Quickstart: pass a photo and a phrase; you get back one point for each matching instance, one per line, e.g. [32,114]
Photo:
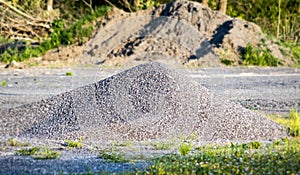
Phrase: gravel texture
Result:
[149,101]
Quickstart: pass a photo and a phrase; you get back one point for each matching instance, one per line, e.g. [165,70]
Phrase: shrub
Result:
[258,57]
[60,35]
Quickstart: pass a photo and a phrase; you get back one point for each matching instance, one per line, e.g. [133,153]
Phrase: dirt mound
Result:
[183,32]
[149,101]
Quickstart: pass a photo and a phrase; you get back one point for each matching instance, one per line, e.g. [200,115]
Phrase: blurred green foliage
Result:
[258,56]
[78,32]
[72,22]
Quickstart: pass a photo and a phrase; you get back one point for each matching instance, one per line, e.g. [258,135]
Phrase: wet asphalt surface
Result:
[270,90]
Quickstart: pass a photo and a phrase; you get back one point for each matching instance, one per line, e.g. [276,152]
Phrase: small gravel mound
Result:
[150,101]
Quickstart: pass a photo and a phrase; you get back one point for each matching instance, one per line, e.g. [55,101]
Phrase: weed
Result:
[3,83]
[227,62]
[233,159]
[27,152]
[38,153]
[292,122]
[259,57]
[3,148]
[294,128]
[255,145]
[46,153]
[285,121]
[123,144]
[69,74]
[277,142]
[112,155]
[13,142]
[185,148]
[294,50]
[162,146]
[74,144]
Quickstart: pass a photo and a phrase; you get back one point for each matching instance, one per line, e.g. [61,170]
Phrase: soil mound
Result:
[150,101]
[182,32]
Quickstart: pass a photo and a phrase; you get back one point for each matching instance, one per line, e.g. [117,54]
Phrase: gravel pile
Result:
[149,101]
[184,32]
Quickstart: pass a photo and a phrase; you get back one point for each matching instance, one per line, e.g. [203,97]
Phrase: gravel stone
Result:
[150,101]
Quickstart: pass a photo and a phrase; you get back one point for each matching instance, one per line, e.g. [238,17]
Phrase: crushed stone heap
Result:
[149,101]
[181,32]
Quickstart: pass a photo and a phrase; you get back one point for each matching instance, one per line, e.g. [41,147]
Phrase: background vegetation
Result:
[28,28]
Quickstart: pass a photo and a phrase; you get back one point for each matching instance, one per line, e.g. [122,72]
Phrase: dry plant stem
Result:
[223,6]
[126,4]
[205,2]
[19,25]
[89,5]
[50,5]
[19,12]
[279,21]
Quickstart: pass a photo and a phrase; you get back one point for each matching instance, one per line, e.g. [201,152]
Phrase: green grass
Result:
[162,146]
[185,148]
[227,62]
[38,153]
[78,33]
[3,83]
[112,155]
[13,142]
[292,122]
[280,157]
[27,152]
[74,143]
[294,125]
[259,57]
[46,153]
[294,50]
[121,144]
[69,74]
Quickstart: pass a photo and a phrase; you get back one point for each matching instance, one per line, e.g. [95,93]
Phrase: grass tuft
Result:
[3,83]
[162,146]
[46,153]
[69,74]
[38,153]
[294,128]
[74,144]
[27,152]
[292,122]
[112,155]
[13,142]
[185,148]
